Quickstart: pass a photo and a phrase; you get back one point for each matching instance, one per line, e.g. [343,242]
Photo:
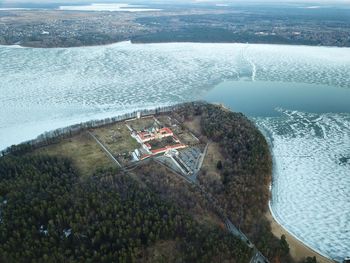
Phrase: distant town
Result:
[172,23]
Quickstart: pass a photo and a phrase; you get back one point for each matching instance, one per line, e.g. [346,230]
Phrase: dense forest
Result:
[219,35]
[48,213]
[245,173]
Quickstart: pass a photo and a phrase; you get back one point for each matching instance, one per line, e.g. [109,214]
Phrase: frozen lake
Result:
[310,191]
[43,89]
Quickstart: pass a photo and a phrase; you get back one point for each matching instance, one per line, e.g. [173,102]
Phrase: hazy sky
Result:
[175,1]
[22,3]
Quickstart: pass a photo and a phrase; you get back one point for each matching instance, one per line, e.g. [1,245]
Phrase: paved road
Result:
[258,258]
[199,164]
[236,232]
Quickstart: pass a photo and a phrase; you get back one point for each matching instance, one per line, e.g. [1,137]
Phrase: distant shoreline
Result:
[170,42]
[158,23]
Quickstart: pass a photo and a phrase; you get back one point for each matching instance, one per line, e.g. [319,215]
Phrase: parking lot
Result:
[190,157]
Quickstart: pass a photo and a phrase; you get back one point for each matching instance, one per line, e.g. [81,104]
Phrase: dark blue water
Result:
[261,98]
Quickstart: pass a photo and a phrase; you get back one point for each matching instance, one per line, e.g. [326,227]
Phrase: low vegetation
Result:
[117,138]
[82,150]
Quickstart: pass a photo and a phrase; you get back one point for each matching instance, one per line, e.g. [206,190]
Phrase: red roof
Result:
[165,130]
[145,156]
[145,135]
[164,149]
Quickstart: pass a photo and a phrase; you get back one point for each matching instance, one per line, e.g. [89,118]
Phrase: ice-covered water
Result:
[54,87]
[310,193]
[43,89]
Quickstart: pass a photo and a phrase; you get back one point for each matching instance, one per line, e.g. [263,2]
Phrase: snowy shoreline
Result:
[293,235]
[307,183]
[269,138]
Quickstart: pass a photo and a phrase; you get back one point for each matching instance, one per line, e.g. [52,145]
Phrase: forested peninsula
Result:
[68,201]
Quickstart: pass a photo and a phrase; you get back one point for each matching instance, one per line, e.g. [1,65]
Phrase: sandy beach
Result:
[298,250]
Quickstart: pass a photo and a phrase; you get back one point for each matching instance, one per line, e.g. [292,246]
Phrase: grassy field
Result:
[165,120]
[86,154]
[116,138]
[186,138]
[194,125]
[209,171]
[141,124]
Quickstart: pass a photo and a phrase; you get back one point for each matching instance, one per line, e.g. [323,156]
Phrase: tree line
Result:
[55,136]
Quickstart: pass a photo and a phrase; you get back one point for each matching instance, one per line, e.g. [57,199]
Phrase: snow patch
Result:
[108,7]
